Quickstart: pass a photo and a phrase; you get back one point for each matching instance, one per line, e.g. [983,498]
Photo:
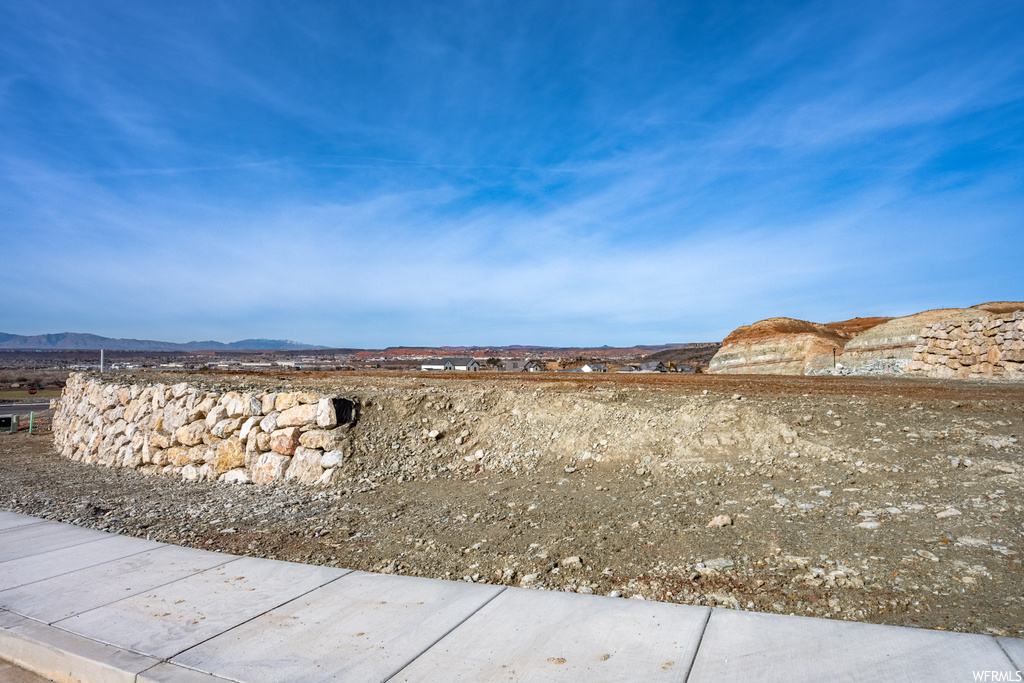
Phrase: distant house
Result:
[594,367]
[523,366]
[629,368]
[653,366]
[461,364]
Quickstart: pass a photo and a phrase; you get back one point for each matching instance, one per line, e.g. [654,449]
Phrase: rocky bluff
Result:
[879,345]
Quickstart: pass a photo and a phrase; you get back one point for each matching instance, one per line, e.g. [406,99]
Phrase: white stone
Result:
[216,415]
[269,423]
[247,426]
[326,416]
[237,476]
[332,459]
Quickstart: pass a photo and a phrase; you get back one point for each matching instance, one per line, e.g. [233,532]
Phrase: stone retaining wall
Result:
[986,347]
[196,434]
[265,430]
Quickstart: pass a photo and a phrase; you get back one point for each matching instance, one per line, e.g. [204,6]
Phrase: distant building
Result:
[523,366]
[653,366]
[457,364]
[594,367]
[629,368]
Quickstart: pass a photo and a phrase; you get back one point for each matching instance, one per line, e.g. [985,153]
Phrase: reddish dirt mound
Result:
[857,325]
[779,327]
[1001,306]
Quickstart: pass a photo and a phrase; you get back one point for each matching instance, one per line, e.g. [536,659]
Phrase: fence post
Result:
[31,420]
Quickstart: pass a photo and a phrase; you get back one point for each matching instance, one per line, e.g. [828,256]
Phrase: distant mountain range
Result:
[92,342]
[76,341]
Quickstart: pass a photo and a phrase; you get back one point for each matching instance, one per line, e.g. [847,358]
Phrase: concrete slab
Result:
[61,656]
[33,568]
[33,539]
[171,673]
[747,646]
[10,520]
[362,627]
[526,635]
[1014,647]
[86,589]
[167,620]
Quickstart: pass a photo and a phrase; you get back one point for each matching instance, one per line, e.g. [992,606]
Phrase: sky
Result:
[369,174]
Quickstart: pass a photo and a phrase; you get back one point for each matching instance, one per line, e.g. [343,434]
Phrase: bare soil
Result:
[881,500]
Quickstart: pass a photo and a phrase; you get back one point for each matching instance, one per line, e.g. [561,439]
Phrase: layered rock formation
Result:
[892,343]
[779,346]
[861,345]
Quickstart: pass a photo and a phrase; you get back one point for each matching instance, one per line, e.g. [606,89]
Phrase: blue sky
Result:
[384,173]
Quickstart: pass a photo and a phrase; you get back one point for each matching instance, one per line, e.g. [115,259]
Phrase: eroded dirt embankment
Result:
[895,501]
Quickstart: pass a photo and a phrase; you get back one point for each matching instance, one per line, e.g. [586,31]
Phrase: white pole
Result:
[101,360]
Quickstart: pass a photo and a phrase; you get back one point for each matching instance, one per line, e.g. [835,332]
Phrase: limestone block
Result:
[252,449]
[270,467]
[326,416]
[192,433]
[203,408]
[216,415]
[131,410]
[307,398]
[158,456]
[286,400]
[236,407]
[326,477]
[299,415]
[305,466]
[269,423]
[159,439]
[243,432]
[318,438]
[210,440]
[263,441]
[208,472]
[238,476]
[992,356]
[332,459]
[190,473]
[230,454]
[178,456]
[225,427]
[285,441]
[268,402]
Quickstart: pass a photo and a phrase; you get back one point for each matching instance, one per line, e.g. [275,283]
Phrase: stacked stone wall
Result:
[987,347]
[196,434]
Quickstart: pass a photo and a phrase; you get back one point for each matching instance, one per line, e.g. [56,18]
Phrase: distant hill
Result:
[691,354]
[92,342]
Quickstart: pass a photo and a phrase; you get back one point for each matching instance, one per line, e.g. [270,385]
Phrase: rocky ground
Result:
[871,499]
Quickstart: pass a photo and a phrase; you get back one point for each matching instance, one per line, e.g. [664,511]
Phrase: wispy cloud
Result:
[371,175]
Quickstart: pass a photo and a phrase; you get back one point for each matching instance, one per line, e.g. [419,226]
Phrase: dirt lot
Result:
[872,499]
